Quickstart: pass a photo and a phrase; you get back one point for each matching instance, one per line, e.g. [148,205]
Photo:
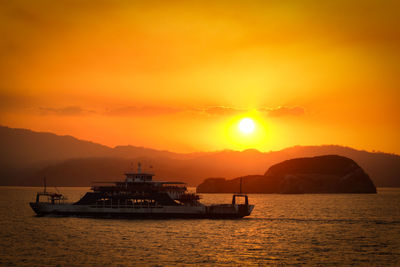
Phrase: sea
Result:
[294,230]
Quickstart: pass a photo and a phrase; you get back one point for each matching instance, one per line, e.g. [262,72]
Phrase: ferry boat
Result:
[139,197]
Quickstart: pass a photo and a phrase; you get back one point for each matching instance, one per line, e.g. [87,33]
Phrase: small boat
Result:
[139,197]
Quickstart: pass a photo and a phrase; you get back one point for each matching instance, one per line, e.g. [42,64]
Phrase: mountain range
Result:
[27,156]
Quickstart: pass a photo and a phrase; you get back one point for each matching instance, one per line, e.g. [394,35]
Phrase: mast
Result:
[44,184]
[240,189]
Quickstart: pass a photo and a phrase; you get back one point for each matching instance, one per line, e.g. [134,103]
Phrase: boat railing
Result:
[109,203]
[53,198]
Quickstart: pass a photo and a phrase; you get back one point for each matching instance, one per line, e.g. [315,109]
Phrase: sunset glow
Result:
[180,75]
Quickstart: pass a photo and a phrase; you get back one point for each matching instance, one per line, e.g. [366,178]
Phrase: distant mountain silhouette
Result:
[21,147]
[27,156]
[321,174]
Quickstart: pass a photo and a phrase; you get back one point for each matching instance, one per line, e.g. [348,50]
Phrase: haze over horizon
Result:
[200,151]
[180,76]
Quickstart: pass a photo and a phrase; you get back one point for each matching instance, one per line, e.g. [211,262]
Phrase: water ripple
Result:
[329,230]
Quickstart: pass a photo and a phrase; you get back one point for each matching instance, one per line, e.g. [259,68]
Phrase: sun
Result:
[246,126]
[246,131]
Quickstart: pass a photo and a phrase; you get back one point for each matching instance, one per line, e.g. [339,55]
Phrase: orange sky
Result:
[179,75]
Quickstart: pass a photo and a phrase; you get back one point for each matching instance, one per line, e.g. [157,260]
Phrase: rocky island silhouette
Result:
[321,174]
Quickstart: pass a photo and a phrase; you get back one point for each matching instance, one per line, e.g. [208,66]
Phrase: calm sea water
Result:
[343,229]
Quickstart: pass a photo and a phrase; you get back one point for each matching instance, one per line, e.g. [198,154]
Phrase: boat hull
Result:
[213,211]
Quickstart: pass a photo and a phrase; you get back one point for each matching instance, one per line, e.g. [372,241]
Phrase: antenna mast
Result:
[44,184]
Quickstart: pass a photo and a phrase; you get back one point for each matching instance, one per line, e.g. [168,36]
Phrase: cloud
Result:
[65,111]
[142,111]
[221,110]
[204,111]
[160,110]
[283,111]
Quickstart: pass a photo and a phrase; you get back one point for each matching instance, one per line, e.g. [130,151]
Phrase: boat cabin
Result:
[53,198]
[138,177]
[246,199]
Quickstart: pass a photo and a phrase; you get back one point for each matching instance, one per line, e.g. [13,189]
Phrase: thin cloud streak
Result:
[162,110]
[222,110]
[283,111]
[65,111]
[143,111]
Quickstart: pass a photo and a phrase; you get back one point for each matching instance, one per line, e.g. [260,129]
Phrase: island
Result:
[321,174]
